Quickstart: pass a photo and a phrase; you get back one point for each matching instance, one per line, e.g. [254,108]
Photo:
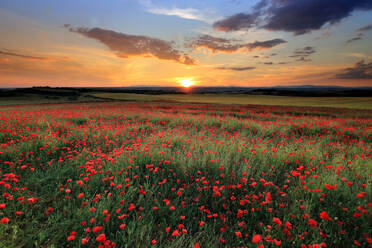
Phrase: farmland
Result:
[156,174]
[332,102]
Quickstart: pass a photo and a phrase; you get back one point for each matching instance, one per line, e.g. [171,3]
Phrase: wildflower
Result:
[324,216]
[85,240]
[71,237]
[4,220]
[313,223]
[277,221]
[330,187]
[175,233]
[97,229]
[256,238]
[101,238]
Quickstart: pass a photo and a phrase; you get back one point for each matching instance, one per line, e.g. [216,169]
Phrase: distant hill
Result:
[301,90]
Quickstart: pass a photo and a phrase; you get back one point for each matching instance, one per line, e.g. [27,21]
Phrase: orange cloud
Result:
[125,45]
[215,44]
[24,56]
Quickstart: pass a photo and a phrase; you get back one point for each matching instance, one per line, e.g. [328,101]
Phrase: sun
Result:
[186,82]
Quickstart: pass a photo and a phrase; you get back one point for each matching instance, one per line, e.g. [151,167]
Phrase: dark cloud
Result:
[354,39]
[303,54]
[364,29]
[361,70]
[268,63]
[125,45]
[236,68]
[296,16]
[265,44]
[360,33]
[214,44]
[229,46]
[24,56]
[237,22]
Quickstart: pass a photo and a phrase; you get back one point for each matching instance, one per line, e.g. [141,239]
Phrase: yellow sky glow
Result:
[187,82]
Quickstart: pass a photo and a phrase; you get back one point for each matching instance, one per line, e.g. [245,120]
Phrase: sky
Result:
[118,43]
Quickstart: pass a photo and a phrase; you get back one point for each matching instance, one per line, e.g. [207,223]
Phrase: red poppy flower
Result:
[101,238]
[256,238]
[4,220]
[175,233]
[97,229]
[312,223]
[324,216]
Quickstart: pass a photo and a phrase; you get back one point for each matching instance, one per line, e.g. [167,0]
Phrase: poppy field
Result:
[184,175]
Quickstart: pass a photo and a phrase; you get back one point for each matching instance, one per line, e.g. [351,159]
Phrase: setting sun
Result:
[187,82]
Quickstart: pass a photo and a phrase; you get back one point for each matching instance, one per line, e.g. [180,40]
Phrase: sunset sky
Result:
[162,43]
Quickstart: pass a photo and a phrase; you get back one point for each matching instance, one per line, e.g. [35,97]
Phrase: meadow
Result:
[331,102]
[155,174]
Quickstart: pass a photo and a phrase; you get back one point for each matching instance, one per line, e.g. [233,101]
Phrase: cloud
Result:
[237,22]
[126,45]
[215,44]
[296,16]
[235,68]
[188,13]
[303,54]
[264,44]
[24,56]
[364,29]
[354,39]
[361,70]
[323,35]
[360,33]
[357,55]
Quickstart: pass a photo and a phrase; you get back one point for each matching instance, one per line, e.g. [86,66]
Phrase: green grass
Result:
[333,102]
[45,99]
[111,151]
[364,103]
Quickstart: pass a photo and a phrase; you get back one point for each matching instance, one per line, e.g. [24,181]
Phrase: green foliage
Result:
[208,162]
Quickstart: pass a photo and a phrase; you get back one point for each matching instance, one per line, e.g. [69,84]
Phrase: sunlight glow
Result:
[186,82]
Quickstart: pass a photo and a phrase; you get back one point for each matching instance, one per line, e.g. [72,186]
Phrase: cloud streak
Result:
[126,45]
[360,33]
[361,70]
[188,13]
[296,16]
[215,44]
[237,22]
[24,56]
[235,68]
[185,13]
[303,54]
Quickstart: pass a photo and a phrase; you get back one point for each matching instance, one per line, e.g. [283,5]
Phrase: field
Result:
[132,174]
[333,102]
